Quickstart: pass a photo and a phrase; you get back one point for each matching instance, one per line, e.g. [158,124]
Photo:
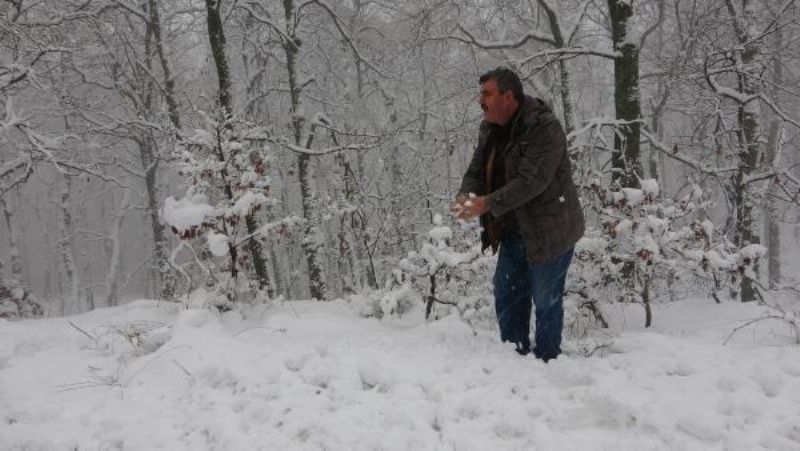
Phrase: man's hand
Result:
[467,208]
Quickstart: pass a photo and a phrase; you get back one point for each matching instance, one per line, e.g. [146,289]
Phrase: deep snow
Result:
[305,375]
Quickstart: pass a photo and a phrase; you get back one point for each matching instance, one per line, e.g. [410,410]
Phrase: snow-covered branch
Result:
[339,23]
[567,52]
[691,162]
[288,144]
[496,45]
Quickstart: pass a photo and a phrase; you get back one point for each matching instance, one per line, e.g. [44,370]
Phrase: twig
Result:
[747,324]
[272,329]
[183,368]
[90,336]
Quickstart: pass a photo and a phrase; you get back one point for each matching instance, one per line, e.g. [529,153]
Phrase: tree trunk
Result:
[564,89]
[626,166]
[169,82]
[749,116]
[313,244]
[72,302]
[216,37]
[774,144]
[13,240]
[163,274]
[112,298]
[254,87]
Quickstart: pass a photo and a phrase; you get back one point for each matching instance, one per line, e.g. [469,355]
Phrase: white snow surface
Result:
[317,376]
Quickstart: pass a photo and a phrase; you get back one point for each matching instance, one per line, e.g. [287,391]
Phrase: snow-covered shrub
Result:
[449,271]
[17,302]
[396,301]
[646,245]
[225,169]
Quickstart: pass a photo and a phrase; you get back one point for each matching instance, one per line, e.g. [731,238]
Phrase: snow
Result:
[440,234]
[650,187]
[246,203]
[309,375]
[217,244]
[185,213]
[633,196]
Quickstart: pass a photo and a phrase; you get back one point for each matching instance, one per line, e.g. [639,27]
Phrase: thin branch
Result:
[573,32]
[655,26]
[694,164]
[265,20]
[540,37]
[339,23]
[561,53]
[286,142]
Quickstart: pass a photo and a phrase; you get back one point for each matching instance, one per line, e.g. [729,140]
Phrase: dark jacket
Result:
[539,190]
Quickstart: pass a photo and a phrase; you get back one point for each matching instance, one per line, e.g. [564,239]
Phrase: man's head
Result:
[501,94]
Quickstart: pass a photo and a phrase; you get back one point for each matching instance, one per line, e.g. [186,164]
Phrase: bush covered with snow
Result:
[16,301]
[448,273]
[225,170]
[646,245]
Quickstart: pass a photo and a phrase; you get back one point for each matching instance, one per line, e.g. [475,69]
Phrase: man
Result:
[519,183]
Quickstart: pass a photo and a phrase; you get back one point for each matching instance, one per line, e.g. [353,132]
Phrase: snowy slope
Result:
[316,376]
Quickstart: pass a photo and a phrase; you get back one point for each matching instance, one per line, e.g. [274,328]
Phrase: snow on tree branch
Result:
[496,45]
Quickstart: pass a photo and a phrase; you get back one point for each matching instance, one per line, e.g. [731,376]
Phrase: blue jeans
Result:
[516,283]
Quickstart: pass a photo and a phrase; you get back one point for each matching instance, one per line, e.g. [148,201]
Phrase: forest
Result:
[310,149]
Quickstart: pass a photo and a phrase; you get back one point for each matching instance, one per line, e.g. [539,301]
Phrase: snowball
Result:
[183,214]
[217,244]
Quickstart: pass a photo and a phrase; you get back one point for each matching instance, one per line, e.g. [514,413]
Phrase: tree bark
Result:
[13,240]
[749,116]
[625,161]
[112,295]
[563,71]
[169,81]
[68,253]
[163,273]
[774,144]
[313,244]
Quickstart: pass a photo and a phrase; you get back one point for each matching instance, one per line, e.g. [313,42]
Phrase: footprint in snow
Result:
[296,362]
[729,384]
[770,383]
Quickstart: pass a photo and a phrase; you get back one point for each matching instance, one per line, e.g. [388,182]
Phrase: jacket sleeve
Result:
[473,178]
[541,153]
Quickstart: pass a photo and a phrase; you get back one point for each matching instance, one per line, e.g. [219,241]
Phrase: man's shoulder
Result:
[536,113]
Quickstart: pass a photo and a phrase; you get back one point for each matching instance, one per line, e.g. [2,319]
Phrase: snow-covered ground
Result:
[317,376]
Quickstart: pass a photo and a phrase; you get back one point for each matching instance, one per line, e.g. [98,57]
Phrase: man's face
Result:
[497,107]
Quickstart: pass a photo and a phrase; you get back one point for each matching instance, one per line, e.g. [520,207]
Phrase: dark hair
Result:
[506,80]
